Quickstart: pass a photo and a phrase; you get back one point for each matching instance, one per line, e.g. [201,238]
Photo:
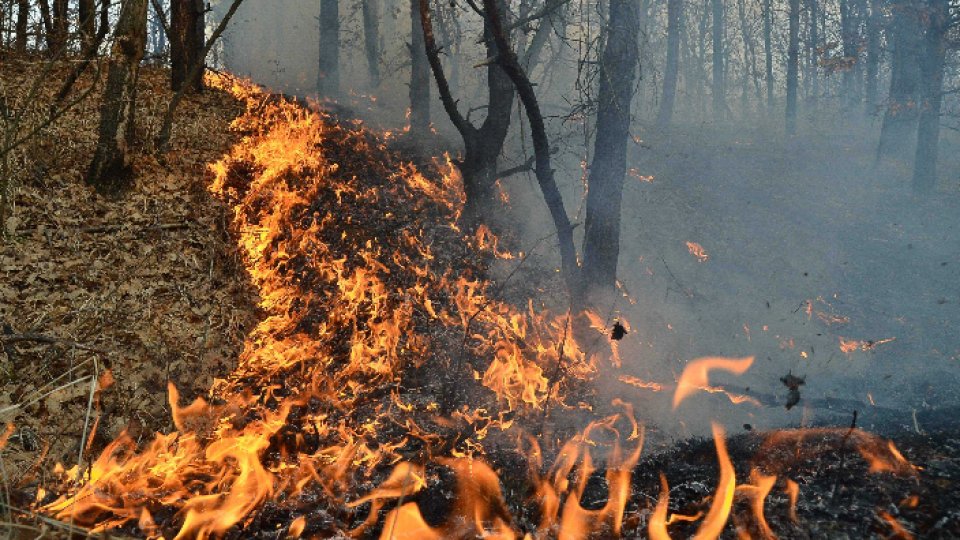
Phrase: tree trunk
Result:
[601,241]
[112,167]
[544,170]
[768,48]
[931,95]
[873,57]
[849,37]
[328,73]
[719,84]
[371,40]
[186,43]
[900,117]
[87,20]
[60,26]
[419,76]
[482,145]
[674,25]
[814,48]
[793,60]
[23,16]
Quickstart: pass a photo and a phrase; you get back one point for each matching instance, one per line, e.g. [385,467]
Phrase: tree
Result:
[419,76]
[900,116]
[112,166]
[328,72]
[618,65]
[719,84]
[768,48]
[507,60]
[86,19]
[937,22]
[371,40]
[793,67]
[873,57]
[482,145]
[186,43]
[23,15]
[674,27]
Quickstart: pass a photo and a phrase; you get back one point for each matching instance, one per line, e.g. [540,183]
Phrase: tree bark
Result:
[112,166]
[328,73]
[671,71]
[186,42]
[60,25]
[814,48]
[23,15]
[873,57]
[793,68]
[87,21]
[482,146]
[768,48]
[618,65]
[419,76]
[931,96]
[900,116]
[371,40]
[719,84]
[541,146]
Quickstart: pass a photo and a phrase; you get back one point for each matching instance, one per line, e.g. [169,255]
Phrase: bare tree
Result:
[768,48]
[618,65]
[873,57]
[482,145]
[793,67]
[371,40]
[86,19]
[719,88]
[112,166]
[23,16]
[900,116]
[186,43]
[328,73]
[419,76]
[937,22]
[674,27]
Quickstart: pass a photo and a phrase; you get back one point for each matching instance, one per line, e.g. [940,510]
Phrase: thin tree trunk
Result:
[60,26]
[671,71]
[814,48]
[86,17]
[112,166]
[850,54]
[186,42]
[601,241]
[23,16]
[873,57]
[328,73]
[719,84]
[931,96]
[541,145]
[900,117]
[482,145]
[768,48]
[371,40]
[793,60]
[419,76]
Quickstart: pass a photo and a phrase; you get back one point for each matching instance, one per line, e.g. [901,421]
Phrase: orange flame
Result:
[696,374]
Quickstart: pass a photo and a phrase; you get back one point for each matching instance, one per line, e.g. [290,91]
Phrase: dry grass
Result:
[111,297]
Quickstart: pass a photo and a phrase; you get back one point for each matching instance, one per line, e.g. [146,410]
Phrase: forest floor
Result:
[117,296]
[152,287]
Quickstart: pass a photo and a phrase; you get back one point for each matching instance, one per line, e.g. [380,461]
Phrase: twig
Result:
[52,340]
[843,454]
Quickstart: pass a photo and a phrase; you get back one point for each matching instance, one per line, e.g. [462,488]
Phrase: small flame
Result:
[697,251]
[696,374]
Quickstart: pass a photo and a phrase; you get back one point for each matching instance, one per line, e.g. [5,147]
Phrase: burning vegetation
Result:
[389,391]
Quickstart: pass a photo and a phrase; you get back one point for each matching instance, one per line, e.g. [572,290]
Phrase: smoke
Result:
[820,263]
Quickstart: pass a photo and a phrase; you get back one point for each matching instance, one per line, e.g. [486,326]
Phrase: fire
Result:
[361,306]
[697,251]
[696,374]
